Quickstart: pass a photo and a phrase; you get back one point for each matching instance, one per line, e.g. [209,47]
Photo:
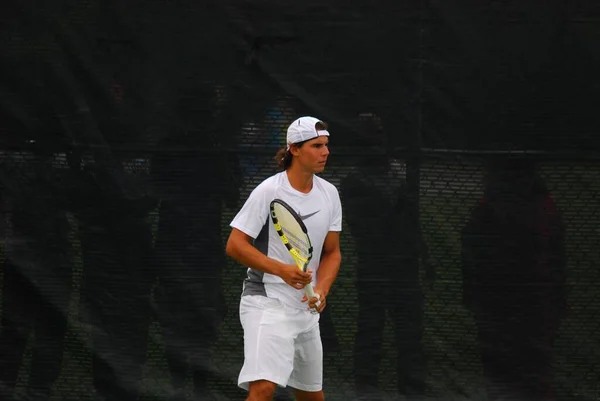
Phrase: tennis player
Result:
[282,342]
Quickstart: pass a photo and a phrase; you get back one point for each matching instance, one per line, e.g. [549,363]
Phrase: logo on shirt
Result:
[306,216]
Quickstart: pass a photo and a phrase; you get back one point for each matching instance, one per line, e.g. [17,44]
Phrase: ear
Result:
[294,150]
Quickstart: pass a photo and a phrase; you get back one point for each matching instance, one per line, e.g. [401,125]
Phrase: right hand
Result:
[295,277]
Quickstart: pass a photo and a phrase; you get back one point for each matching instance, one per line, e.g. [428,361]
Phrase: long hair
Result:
[283,158]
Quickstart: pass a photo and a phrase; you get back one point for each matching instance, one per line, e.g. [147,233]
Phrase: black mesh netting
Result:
[464,147]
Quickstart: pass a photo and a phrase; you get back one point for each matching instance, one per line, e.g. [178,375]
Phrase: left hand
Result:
[319,298]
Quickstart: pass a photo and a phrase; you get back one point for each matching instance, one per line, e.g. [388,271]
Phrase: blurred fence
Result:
[449,189]
[464,146]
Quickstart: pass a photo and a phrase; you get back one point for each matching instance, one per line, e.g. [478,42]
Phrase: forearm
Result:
[328,271]
[246,254]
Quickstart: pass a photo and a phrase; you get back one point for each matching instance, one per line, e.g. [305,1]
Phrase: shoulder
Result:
[268,185]
[325,185]
[328,188]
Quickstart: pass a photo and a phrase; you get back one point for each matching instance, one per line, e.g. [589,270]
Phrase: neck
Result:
[300,180]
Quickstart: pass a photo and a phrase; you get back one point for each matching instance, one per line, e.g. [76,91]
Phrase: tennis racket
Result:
[294,235]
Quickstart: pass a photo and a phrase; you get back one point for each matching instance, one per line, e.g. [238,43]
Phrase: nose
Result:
[325,150]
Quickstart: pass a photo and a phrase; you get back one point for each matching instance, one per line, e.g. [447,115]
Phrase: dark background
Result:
[132,132]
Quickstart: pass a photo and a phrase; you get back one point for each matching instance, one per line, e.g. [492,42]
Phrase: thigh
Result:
[308,362]
[268,341]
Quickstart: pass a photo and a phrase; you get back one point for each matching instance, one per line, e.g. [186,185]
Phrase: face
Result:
[312,155]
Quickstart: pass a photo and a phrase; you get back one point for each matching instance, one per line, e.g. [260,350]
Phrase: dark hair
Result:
[320,126]
[284,157]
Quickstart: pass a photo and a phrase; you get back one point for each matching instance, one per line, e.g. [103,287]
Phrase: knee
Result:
[261,390]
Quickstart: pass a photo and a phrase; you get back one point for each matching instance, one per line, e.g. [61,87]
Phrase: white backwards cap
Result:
[303,129]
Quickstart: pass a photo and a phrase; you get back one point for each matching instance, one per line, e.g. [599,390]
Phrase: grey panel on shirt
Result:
[253,284]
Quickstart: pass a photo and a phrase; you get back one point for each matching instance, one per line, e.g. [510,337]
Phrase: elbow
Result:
[230,249]
[237,246]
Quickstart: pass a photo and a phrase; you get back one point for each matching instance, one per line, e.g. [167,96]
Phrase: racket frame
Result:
[301,262]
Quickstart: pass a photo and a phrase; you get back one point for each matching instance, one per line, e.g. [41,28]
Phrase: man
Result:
[112,201]
[282,343]
[36,268]
[189,247]
[388,271]
[514,277]
[118,272]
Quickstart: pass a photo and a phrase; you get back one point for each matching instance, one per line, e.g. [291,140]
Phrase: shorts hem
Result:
[303,387]
[244,381]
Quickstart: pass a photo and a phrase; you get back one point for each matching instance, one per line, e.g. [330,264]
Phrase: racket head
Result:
[292,232]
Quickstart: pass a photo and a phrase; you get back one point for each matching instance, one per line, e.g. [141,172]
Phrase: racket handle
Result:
[310,293]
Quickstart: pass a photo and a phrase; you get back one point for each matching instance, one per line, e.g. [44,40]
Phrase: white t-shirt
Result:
[323,211]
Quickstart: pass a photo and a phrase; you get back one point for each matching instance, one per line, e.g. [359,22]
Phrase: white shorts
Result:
[281,344]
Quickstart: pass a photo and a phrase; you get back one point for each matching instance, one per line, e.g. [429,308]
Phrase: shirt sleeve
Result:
[336,215]
[252,216]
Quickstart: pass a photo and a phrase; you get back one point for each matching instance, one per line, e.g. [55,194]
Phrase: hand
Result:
[318,302]
[295,277]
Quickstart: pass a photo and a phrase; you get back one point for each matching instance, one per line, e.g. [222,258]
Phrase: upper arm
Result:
[253,214]
[332,243]
[236,237]
[335,224]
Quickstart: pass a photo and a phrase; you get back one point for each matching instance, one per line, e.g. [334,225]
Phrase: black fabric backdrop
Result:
[132,132]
